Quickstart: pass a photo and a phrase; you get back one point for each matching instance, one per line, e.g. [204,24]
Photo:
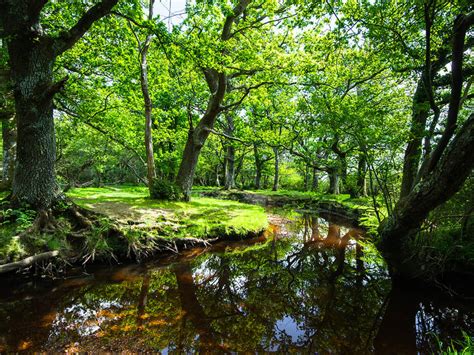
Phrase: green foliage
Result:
[22,217]
[166,190]
[457,347]
[442,250]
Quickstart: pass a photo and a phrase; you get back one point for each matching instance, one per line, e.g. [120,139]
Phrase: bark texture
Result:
[230,155]
[9,152]
[410,212]
[333,181]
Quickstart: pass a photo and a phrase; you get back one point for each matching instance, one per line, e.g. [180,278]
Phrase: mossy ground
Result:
[199,218]
[142,222]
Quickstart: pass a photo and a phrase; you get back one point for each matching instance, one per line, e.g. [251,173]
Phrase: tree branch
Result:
[247,92]
[68,39]
[222,134]
[461,26]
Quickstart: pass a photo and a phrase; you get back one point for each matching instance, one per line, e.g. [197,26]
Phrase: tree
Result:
[32,53]
[143,48]
[217,82]
[231,68]
[435,171]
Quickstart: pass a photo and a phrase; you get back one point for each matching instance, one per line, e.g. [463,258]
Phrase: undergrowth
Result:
[442,249]
[461,347]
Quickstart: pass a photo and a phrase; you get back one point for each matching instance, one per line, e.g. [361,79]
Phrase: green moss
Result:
[11,247]
[199,218]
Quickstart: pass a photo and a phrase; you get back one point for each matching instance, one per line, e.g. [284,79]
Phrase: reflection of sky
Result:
[287,326]
[84,320]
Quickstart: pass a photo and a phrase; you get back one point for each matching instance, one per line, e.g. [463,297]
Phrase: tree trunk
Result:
[413,150]
[31,56]
[410,212]
[230,168]
[315,181]
[258,168]
[276,177]
[333,181]
[361,172]
[31,66]
[240,165]
[343,173]
[218,182]
[450,164]
[150,159]
[9,152]
[217,83]
[306,178]
[230,156]
[190,159]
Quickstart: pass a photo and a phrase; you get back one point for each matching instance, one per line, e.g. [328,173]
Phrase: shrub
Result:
[166,190]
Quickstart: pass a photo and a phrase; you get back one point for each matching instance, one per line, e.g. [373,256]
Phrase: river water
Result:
[309,285]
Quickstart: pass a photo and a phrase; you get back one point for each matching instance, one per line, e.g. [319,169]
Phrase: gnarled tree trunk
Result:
[333,181]
[196,139]
[32,73]
[447,168]
[410,212]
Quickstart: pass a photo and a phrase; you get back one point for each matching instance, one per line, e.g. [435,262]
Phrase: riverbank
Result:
[132,227]
[276,291]
[352,210]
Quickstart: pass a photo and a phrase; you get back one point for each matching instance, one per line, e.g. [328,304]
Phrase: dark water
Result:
[307,286]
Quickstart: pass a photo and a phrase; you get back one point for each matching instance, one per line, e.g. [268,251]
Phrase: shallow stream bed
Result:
[306,286]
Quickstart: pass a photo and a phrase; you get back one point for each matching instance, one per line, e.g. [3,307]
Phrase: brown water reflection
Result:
[308,287]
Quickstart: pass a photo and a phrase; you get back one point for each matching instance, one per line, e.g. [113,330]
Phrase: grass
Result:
[461,347]
[442,250]
[304,195]
[143,222]
[200,218]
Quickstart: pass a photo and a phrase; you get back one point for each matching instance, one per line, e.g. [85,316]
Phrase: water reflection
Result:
[307,287]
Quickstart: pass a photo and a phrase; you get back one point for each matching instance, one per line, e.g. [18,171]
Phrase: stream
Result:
[307,285]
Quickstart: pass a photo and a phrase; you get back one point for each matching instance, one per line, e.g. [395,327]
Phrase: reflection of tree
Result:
[315,228]
[27,318]
[278,295]
[193,311]
[412,319]
[397,330]
[142,298]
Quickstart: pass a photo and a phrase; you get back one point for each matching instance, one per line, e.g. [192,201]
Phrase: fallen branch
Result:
[28,261]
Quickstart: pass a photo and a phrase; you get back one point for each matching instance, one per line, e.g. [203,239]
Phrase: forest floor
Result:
[200,218]
[360,211]
[145,227]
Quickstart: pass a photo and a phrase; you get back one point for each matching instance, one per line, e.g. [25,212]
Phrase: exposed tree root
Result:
[88,235]
[28,261]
